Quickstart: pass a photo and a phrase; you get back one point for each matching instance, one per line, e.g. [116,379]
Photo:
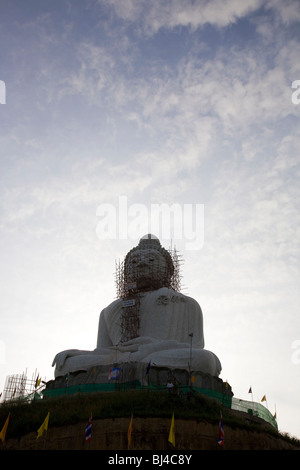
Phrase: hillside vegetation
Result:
[70,410]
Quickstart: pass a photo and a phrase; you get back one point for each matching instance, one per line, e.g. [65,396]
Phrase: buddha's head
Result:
[149,265]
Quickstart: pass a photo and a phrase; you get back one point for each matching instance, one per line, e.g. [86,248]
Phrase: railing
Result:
[254,409]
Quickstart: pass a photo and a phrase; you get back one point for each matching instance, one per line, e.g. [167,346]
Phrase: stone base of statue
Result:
[138,376]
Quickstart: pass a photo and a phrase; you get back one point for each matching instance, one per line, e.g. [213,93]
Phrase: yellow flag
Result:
[44,426]
[129,432]
[37,382]
[4,429]
[264,398]
[172,432]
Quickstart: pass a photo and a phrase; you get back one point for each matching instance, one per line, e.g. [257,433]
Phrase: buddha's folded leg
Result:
[198,359]
[90,359]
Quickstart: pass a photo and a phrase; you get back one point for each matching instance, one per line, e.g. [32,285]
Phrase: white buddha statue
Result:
[167,326]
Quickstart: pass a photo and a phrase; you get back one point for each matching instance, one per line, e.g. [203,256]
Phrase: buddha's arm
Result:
[62,356]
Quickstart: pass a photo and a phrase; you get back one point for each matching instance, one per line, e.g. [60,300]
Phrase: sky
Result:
[114,111]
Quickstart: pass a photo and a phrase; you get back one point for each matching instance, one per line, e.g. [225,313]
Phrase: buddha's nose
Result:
[142,262]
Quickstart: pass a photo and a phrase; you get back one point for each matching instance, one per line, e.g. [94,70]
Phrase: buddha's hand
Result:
[134,344]
[61,357]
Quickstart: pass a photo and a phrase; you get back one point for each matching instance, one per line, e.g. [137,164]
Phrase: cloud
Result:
[287,12]
[159,14]
[195,14]
[144,99]
[94,73]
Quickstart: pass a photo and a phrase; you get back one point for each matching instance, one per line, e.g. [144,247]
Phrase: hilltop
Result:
[196,423]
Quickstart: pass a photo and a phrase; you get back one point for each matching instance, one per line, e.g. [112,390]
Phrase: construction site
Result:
[19,387]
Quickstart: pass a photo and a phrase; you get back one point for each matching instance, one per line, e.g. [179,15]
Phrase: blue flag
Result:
[114,373]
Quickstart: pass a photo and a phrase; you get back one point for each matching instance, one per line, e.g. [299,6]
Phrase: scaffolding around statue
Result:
[19,387]
[128,291]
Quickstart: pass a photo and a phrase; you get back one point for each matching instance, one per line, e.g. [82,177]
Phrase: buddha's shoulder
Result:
[113,306]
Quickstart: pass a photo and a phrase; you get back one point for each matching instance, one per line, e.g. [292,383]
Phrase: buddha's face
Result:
[147,268]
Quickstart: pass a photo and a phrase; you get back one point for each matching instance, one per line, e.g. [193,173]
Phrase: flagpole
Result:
[264,398]
[250,391]
[275,415]
[129,432]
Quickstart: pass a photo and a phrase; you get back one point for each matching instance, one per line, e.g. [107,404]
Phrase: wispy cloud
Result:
[170,14]
[163,102]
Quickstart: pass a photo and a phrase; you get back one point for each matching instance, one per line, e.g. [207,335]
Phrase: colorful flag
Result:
[114,373]
[88,429]
[264,398]
[4,429]
[44,426]
[221,431]
[172,432]
[37,382]
[129,431]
